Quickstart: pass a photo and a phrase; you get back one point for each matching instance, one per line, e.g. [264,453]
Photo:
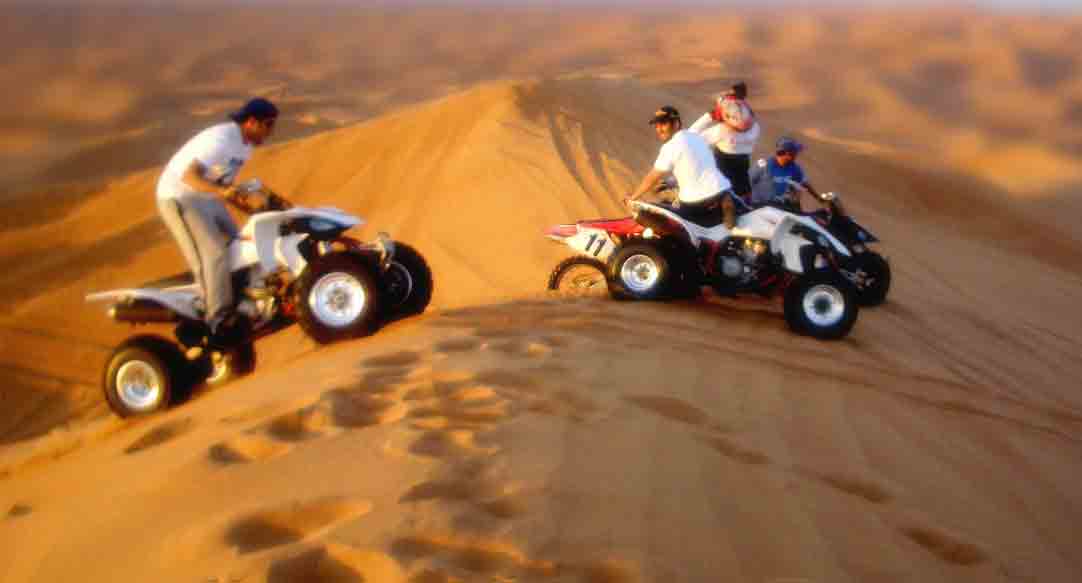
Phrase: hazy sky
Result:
[1074,6]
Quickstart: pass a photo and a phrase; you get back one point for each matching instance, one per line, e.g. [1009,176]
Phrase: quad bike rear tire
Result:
[143,375]
[579,275]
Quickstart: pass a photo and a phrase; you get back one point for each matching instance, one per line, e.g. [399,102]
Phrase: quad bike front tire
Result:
[821,304]
[873,273]
[407,283]
[337,297]
[143,375]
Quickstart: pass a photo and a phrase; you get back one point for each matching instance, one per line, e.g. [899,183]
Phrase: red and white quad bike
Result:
[657,253]
[289,264]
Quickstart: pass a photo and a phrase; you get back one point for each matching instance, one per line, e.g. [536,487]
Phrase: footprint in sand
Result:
[860,488]
[159,435]
[449,559]
[291,524]
[492,497]
[341,408]
[385,380]
[671,408]
[336,563]
[351,409]
[477,557]
[522,348]
[737,452]
[946,546]
[19,510]
[507,379]
[455,345]
[500,332]
[565,404]
[299,425]
[246,448]
[396,359]
[450,443]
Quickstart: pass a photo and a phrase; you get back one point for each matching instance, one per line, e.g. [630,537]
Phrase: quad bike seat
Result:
[184,278]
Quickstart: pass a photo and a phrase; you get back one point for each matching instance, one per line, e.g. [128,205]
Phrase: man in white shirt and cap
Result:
[704,191]
[191,191]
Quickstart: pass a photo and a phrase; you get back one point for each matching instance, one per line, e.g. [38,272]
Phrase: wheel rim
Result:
[139,385]
[824,305]
[640,273]
[399,283]
[337,299]
[582,279]
[219,367]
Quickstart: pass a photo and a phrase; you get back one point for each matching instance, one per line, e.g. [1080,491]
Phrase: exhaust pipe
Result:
[142,312]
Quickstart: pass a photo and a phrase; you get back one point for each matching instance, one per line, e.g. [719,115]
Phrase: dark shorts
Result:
[735,167]
[705,212]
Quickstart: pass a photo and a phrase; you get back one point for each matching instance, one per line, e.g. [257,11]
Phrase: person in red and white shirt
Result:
[732,128]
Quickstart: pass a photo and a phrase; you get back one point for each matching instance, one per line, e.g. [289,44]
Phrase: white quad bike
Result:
[658,253]
[289,264]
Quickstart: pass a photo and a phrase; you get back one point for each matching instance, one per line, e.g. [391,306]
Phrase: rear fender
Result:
[178,299]
[591,242]
[667,224]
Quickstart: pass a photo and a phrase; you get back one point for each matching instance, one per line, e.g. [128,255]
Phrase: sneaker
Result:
[234,330]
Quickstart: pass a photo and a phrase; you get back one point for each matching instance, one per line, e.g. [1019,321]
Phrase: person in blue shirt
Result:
[770,177]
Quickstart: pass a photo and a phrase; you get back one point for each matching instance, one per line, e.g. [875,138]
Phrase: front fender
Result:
[794,233]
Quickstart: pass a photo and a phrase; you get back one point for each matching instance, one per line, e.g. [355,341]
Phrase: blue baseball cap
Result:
[787,144]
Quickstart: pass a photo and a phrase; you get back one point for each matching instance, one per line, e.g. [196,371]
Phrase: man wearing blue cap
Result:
[772,178]
[190,194]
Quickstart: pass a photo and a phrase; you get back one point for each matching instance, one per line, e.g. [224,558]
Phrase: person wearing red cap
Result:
[190,196]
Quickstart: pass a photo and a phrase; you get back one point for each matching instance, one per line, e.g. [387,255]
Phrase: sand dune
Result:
[510,435]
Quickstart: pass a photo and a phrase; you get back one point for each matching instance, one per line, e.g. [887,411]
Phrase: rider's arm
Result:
[701,124]
[648,183]
[195,178]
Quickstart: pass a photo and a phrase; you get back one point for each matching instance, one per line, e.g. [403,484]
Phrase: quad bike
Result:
[658,253]
[289,264]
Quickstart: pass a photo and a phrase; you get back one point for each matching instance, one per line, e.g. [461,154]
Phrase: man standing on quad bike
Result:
[732,128]
[703,189]
[190,193]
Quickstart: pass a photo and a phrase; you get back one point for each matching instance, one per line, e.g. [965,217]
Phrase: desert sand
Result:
[512,435]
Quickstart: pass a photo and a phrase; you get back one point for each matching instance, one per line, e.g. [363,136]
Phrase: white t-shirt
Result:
[724,137]
[221,149]
[690,160]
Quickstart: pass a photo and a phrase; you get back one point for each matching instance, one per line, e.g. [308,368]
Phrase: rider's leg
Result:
[728,211]
[171,210]
[205,231]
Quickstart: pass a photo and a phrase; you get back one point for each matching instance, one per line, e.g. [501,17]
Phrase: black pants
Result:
[735,167]
[706,213]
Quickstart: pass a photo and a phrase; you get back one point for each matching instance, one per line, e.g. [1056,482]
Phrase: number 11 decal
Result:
[600,244]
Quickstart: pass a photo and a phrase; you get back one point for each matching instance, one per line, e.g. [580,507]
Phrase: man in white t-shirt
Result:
[190,193]
[704,191]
